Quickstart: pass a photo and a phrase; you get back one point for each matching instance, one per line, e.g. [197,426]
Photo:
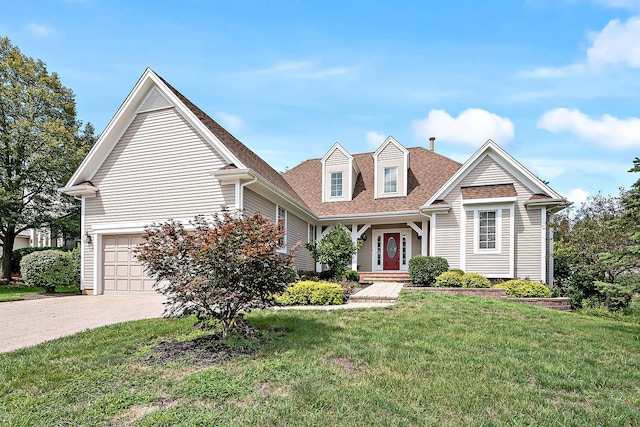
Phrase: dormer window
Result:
[339,174]
[336,184]
[391,180]
[391,169]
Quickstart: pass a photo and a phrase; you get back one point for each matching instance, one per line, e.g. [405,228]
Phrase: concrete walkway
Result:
[378,293]
[27,323]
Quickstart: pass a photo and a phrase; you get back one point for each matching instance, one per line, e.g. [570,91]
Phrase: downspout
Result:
[241,201]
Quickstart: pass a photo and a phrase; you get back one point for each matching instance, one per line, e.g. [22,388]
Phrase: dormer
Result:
[339,173]
[391,166]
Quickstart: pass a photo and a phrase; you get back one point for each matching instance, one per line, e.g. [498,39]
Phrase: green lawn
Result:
[16,292]
[429,360]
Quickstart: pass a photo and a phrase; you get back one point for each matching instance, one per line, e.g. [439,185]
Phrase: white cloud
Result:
[606,130]
[577,196]
[303,70]
[40,30]
[374,139]
[617,43]
[472,127]
[230,122]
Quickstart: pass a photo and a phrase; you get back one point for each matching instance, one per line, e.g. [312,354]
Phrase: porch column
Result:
[355,235]
[424,250]
[354,239]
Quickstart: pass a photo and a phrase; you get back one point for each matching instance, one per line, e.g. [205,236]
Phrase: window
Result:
[281,219]
[336,184]
[379,251]
[391,180]
[312,234]
[487,230]
[404,249]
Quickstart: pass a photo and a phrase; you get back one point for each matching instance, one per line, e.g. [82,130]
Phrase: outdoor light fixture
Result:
[364,238]
[87,237]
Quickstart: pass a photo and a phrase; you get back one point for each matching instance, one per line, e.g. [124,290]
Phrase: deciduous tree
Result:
[222,268]
[39,148]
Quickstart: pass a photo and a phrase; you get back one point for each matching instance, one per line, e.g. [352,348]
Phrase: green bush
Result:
[352,276]
[48,269]
[17,254]
[424,270]
[449,279]
[312,293]
[524,289]
[475,280]
[308,275]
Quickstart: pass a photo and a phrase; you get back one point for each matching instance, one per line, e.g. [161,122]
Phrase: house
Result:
[162,157]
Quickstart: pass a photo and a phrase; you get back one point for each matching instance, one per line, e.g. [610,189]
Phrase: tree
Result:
[226,266]
[38,145]
[589,248]
[334,250]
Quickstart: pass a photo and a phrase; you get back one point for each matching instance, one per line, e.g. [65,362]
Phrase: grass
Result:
[17,292]
[429,360]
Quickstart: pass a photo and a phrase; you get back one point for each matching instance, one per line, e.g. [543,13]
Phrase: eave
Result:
[80,190]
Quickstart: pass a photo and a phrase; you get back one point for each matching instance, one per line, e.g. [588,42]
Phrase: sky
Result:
[556,83]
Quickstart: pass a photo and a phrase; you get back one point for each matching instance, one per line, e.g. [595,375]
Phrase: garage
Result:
[121,272]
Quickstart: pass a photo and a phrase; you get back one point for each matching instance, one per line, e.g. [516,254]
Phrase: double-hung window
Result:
[487,230]
[336,184]
[390,180]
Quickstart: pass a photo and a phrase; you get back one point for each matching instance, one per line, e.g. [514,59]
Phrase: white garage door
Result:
[121,272]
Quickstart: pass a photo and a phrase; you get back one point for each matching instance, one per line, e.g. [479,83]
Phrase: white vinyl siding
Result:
[298,233]
[391,152]
[528,240]
[447,238]
[253,202]
[337,158]
[491,263]
[391,163]
[159,169]
[527,228]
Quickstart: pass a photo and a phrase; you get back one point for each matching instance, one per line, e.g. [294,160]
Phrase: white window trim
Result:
[384,170]
[283,248]
[341,196]
[476,231]
[463,234]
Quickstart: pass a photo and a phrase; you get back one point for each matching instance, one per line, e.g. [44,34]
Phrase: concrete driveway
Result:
[27,323]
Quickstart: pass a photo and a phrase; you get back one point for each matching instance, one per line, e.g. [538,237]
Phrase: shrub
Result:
[308,275]
[424,270]
[48,269]
[312,293]
[352,276]
[17,255]
[524,289]
[334,250]
[449,279]
[225,267]
[475,280]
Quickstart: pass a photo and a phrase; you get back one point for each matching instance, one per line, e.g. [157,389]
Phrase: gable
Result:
[160,167]
[492,165]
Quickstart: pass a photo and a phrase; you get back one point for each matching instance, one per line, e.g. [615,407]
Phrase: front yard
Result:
[429,360]
[17,292]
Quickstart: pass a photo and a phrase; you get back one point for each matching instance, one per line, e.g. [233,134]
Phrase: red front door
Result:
[391,257]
